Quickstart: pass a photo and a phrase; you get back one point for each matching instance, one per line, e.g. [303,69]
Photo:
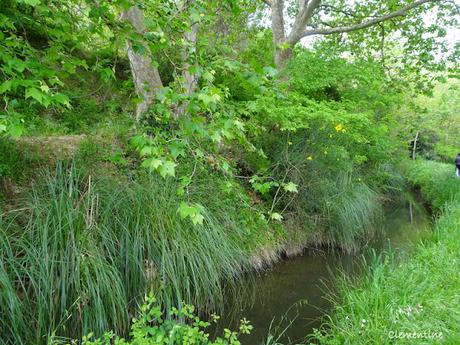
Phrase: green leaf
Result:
[15,130]
[152,164]
[276,216]
[17,64]
[146,151]
[216,137]
[35,94]
[62,99]
[225,166]
[5,86]
[31,2]
[45,88]
[191,211]
[168,168]
[291,187]
[177,149]
[205,99]
[197,218]
[185,210]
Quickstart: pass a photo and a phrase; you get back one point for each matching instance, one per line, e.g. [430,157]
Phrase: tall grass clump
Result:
[80,253]
[413,301]
[351,212]
[334,206]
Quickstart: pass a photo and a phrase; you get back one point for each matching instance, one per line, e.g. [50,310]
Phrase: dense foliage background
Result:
[162,145]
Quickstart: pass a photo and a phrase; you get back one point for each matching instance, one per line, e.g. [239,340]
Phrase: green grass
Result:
[436,181]
[335,206]
[416,295]
[81,252]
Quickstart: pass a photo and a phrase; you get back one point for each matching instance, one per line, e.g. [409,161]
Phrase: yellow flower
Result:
[310,158]
[289,142]
[339,128]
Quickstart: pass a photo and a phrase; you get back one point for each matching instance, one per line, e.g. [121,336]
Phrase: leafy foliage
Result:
[150,327]
[241,158]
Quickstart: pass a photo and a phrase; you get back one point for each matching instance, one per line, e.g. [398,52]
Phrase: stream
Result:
[289,300]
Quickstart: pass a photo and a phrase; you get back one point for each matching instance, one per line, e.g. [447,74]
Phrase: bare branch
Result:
[399,13]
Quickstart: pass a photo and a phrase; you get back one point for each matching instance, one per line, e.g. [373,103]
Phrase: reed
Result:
[80,254]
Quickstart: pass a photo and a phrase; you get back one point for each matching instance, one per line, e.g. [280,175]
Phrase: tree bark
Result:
[282,56]
[189,77]
[282,53]
[146,77]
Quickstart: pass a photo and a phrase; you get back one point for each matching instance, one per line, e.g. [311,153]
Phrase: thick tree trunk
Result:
[279,35]
[282,56]
[146,78]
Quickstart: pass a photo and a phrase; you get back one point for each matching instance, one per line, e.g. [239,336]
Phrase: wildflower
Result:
[309,158]
[339,128]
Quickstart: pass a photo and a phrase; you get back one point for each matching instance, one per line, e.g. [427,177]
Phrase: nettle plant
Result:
[184,327]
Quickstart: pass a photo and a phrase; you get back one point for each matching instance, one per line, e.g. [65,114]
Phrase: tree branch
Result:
[399,13]
[302,19]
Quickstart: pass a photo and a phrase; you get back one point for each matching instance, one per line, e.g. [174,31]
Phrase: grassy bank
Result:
[81,249]
[81,241]
[414,302]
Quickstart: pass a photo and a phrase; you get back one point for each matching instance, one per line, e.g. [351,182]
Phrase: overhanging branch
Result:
[399,13]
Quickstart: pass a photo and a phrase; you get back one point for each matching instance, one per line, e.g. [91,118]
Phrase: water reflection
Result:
[294,293]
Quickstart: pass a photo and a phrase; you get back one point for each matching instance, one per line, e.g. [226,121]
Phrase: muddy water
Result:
[290,300]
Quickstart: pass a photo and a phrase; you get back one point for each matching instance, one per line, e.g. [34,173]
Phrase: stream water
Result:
[289,300]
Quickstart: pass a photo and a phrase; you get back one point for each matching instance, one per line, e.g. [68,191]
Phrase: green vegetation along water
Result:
[294,293]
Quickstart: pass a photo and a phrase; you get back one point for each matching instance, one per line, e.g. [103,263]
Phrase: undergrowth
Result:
[82,250]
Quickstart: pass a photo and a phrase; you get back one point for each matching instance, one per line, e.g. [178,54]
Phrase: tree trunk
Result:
[146,78]
[282,56]
[279,35]
[190,78]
